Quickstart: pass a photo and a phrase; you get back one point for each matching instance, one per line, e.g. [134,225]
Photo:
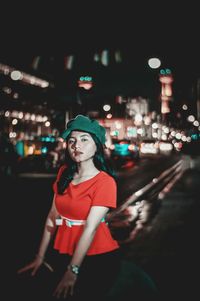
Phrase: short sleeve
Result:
[60,171]
[105,193]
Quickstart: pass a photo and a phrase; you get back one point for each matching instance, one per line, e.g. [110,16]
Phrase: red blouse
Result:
[76,203]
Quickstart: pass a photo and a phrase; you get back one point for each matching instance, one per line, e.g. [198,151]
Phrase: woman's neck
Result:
[86,169]
[84,173]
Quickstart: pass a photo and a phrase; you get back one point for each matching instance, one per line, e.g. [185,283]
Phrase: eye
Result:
[84,139]
[71,141]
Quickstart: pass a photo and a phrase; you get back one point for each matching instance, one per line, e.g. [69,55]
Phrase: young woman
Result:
[84,192]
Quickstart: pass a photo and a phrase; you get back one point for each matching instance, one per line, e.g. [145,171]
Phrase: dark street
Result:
[166,249]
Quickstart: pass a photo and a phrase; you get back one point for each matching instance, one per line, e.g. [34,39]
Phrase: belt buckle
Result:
[68,223]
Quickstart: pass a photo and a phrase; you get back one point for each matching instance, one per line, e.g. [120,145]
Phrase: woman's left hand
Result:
[66,285]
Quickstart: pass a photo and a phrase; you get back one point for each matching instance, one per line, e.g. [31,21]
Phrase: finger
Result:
[65,293]
[57,293]
[26,268]
[34,271]
[72,291]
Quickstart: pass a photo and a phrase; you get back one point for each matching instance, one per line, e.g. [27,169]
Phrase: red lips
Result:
[77,153]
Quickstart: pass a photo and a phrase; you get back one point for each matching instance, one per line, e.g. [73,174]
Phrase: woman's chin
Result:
[77,160]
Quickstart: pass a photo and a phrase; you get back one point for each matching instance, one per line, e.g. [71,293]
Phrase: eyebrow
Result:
[80,136]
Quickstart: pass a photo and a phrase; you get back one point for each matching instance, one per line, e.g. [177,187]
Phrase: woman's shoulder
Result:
[104,176]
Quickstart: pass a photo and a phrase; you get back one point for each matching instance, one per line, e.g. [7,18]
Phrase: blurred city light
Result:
[154,63]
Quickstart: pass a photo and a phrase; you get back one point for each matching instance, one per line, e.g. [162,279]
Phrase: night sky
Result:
[161,30]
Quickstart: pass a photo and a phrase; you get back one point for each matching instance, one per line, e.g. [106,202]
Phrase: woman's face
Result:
[81,146]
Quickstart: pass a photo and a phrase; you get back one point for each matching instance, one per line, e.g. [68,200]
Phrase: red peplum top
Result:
[75,204]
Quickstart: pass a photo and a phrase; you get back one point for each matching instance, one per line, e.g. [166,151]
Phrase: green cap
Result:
[85,124]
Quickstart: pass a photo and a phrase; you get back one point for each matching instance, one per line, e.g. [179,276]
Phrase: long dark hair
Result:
[71,167]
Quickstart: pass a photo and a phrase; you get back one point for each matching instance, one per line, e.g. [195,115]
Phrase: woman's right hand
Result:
[34,266]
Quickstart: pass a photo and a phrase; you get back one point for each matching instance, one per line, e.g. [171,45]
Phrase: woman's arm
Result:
[66,285]
[49,229]
[94,218]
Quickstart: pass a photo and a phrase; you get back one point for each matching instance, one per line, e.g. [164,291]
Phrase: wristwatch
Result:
[74,268]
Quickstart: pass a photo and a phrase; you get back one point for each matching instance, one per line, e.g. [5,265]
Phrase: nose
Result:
[76,145]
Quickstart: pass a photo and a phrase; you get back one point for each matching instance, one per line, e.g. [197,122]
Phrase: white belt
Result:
[71,222]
